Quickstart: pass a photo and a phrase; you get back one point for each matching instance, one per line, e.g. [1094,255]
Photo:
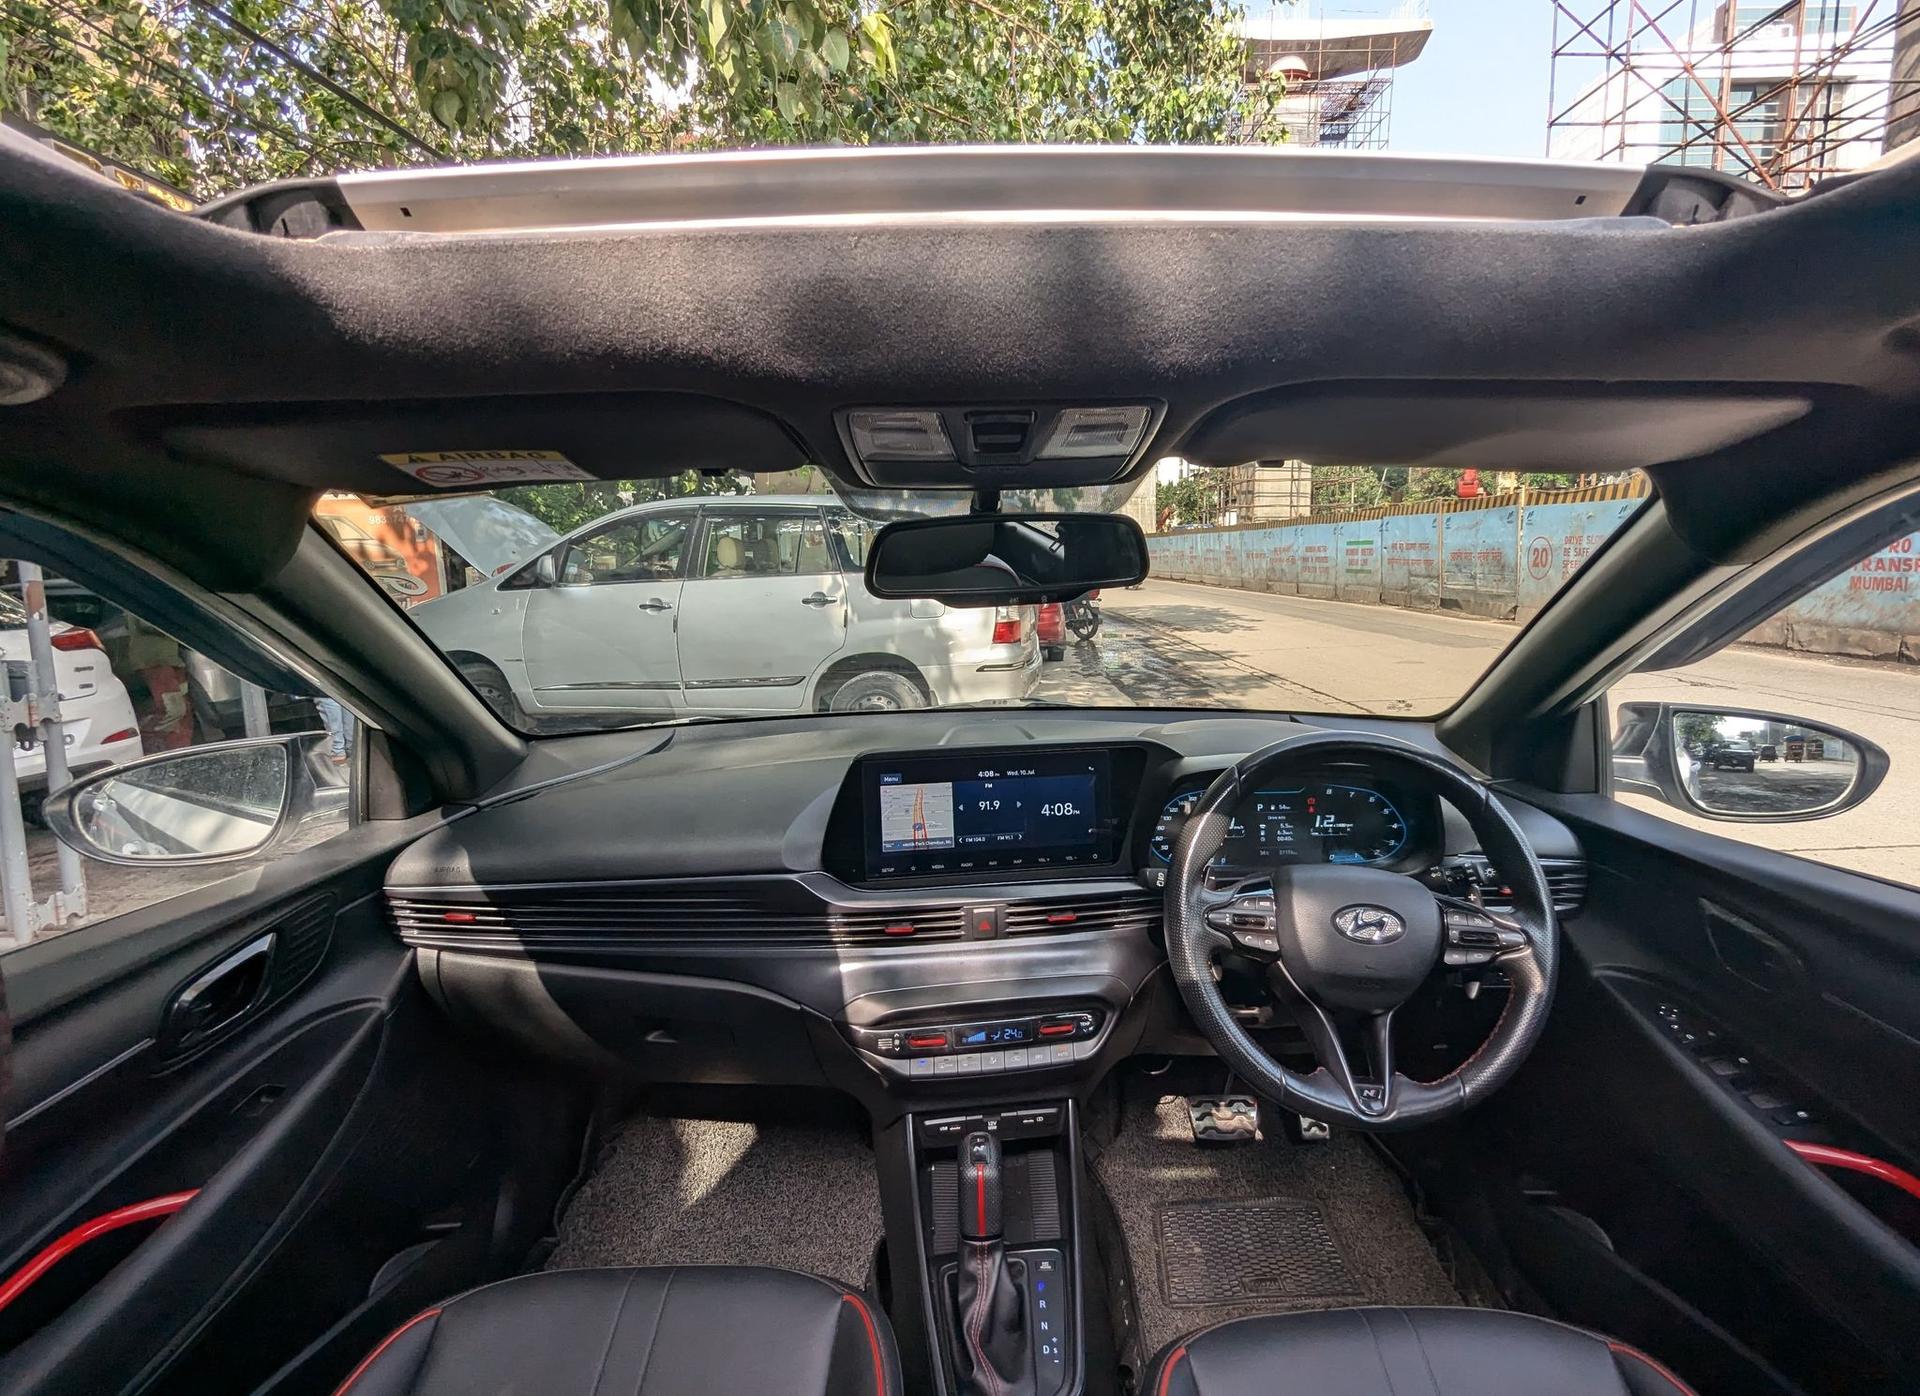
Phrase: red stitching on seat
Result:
[1625,1351]
[873,1342]
[1166,1372]
[385,1343]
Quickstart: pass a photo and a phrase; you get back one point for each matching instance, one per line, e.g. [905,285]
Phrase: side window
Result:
[1801,736]
[645,549]
[855,535]
[130,690]
[764,545]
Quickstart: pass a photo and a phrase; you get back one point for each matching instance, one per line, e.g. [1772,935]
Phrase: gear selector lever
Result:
[992,1337]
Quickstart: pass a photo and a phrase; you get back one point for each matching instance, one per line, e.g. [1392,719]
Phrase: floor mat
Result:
[722,1192]
[1270,1227]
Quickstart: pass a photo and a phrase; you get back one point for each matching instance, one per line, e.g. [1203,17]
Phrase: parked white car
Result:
[722,605]
[97,716]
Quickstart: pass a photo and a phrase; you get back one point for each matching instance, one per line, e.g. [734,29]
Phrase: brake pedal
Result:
[1224,1119]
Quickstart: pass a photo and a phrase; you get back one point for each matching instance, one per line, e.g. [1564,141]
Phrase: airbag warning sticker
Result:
[446,469]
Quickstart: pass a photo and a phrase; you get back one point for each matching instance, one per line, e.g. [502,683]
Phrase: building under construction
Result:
[1337,69]
[1782,94]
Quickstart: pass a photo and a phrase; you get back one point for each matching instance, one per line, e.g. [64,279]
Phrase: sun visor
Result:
[413,449]
[1567,427]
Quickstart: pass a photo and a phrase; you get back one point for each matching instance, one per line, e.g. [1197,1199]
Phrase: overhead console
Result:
[997,445]
[1019,813]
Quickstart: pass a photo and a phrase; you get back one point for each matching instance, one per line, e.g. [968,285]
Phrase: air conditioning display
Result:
[1028,811]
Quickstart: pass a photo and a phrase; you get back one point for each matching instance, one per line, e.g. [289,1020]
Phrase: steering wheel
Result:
[1345,943]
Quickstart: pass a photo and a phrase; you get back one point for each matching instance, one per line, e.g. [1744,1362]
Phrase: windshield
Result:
[1276,586]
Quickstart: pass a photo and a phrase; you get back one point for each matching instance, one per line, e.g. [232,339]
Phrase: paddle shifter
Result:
[993,1342]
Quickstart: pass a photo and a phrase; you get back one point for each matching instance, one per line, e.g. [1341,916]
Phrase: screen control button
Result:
[946,1066]
[920,1066]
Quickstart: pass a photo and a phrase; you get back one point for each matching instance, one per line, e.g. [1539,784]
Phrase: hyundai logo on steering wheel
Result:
[1370,925]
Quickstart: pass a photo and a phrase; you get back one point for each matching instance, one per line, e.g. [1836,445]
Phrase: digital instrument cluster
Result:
[1315,821]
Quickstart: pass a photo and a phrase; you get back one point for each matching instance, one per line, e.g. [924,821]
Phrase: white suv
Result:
[715,605]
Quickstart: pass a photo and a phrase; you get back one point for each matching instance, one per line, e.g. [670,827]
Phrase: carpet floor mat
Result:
[1219,1231]
[723,1192]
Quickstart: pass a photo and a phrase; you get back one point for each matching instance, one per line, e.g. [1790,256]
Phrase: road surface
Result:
[1183,644]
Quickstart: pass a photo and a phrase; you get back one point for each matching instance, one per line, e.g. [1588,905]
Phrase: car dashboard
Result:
[911,908]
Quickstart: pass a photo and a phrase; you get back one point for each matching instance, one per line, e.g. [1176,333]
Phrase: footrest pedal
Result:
[1224,1119]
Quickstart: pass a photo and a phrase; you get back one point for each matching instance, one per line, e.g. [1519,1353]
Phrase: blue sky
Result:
[1481,86]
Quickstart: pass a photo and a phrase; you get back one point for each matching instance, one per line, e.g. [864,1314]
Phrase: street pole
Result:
[16,882]
[71,901]
[253,710]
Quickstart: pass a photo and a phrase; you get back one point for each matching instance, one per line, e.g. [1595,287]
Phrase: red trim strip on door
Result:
[153,1209]
[1830,1157]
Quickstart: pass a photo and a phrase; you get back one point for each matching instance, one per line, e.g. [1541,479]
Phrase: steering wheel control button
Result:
[1259,942]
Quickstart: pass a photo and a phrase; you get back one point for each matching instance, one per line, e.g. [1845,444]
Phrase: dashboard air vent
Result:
[1566,878]
[1114,911]
[587,917]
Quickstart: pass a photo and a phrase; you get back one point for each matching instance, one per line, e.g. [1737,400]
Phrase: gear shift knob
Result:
[980,1187]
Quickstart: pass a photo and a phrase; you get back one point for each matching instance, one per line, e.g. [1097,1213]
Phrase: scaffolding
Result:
[1783,94]
[1337,69]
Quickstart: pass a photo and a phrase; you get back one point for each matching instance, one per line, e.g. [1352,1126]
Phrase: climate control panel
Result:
[988,1047]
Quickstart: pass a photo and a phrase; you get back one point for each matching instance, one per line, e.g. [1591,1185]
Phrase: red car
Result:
[1050,622]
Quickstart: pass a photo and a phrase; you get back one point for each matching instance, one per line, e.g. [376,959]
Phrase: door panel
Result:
[333,1130]
[1719,1002]
[603,646]
[604,637]
[764,607]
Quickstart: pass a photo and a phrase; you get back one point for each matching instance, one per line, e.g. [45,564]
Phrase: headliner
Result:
[218,378]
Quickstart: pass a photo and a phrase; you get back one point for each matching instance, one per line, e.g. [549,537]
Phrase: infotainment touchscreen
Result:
[933,815]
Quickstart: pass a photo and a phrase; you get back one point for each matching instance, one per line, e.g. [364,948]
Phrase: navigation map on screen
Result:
[916,817]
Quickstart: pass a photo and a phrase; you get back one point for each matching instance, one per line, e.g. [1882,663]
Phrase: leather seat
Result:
[1404,1352]
[680,1330]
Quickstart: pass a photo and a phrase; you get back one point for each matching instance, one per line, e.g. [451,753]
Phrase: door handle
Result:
[222,995]
[819,598]
[655,604]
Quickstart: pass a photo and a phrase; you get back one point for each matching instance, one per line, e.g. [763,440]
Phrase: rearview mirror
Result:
[1742,766]
[1005,559]
[209,804]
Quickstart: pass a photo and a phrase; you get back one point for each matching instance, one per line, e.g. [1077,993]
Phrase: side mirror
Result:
[1005,559]
[210,804]
[546,570]
[1742,766]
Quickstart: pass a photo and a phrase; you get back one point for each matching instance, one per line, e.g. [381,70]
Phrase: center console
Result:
[996,1218]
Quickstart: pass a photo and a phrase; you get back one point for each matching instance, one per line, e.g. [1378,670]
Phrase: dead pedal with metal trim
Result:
[1224,1119]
